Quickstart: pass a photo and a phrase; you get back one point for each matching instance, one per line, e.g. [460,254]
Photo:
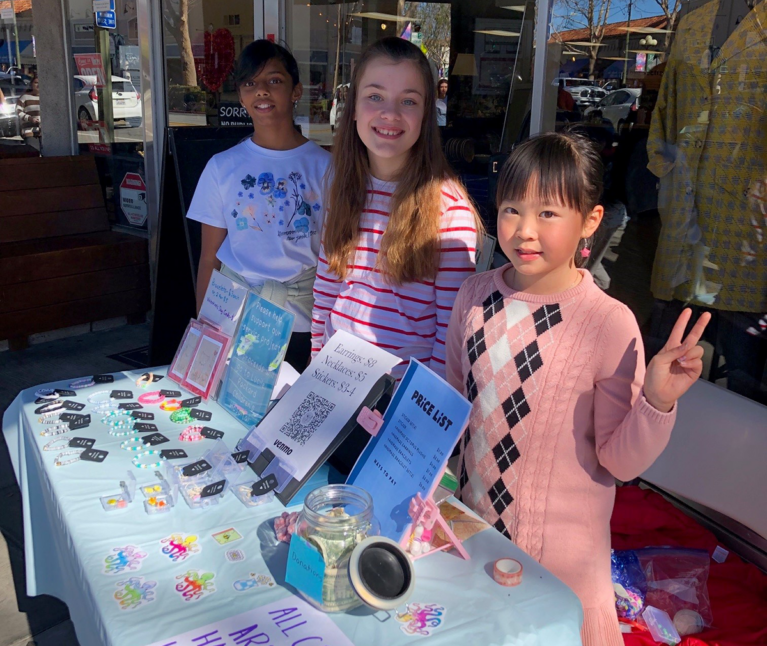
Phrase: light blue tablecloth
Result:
[68,536]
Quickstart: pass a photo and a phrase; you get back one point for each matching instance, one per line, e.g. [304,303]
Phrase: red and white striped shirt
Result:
[408,320]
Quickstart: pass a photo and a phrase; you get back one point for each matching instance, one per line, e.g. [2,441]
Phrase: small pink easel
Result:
[423,511]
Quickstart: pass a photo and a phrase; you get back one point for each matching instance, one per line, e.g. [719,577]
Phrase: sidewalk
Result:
[44,620]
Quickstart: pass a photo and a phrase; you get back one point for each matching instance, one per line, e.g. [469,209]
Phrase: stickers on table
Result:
[134,593]
[421,618]
[235,556]
[122,559]
[253,581]
[195,584]
[179,547]
[227,536]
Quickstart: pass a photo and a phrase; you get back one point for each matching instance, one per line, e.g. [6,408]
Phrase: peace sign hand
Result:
[677,366]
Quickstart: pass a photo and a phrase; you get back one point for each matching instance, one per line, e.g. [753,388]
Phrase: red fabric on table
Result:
[738,591]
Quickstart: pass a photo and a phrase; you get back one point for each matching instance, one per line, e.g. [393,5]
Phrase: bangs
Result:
[550,170]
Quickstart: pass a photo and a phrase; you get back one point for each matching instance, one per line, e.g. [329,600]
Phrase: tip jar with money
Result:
[361,567]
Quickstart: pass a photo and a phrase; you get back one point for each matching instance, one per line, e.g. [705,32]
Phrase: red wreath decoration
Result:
[219,58]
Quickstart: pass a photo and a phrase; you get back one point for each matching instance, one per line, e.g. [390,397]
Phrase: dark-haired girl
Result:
[555,370]
[260,202]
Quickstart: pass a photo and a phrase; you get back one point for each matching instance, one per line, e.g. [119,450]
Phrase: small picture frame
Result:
[186,349]
[207,362]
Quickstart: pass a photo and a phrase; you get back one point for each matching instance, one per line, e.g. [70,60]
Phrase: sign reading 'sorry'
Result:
[289,622]
[324,398]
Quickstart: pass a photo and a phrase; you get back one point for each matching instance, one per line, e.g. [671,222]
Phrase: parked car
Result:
[125,100]
[337,107]
[12,85]
[9,121]
[580,89]
[617,107]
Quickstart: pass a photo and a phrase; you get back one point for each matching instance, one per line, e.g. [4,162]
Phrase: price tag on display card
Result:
[192,401]
[202,415]
[137,414]
[145,428]
[94,455]
[154,440]
[241,456]
[121,394]
[103,379]
[211,433]
[81,442]
[196,468]
[171,393]
[173,454]
[70,405]
[213,489]
[84,421]
[61,392]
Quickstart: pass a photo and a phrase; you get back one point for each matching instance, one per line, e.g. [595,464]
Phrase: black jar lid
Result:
[381,573]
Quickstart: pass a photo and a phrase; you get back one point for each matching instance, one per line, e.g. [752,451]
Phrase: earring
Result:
[585,252]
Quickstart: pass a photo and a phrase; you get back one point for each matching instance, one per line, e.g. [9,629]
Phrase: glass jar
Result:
[335,519]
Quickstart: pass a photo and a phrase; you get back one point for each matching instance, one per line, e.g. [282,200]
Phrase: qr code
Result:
[307,418]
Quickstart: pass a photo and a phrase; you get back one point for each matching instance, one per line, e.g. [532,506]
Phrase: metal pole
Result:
[106,106]
[628,37]
[16,36]
[539,66]
[8,43]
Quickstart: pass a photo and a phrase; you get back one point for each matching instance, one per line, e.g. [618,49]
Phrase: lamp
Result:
[465,65]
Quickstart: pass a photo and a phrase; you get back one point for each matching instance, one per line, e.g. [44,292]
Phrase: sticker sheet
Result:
[134,592]
[179,547]
[123,559]
[421,619]
[193,585]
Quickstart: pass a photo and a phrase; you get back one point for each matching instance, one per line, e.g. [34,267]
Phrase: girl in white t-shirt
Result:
[260,202]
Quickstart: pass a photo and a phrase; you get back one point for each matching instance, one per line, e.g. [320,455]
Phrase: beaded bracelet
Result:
[85,382]
[133,444]
[144,380]
[56,430]
[155,397]
[191,434]
[51,417]
[51,446]
[46,393]
[100,396]
[57,462]
[118,419]
[153,465]
[115,433]
[182,416]
[171,405]
[106,406]
[55,405]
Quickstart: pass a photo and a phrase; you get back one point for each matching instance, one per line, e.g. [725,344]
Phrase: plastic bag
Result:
[629,583]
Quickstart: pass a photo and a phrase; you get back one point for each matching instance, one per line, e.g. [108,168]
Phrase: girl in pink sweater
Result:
[555,370]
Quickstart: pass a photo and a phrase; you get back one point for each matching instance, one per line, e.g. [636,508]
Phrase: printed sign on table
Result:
[257,353]
[324,398]
[282,623]
[421,427]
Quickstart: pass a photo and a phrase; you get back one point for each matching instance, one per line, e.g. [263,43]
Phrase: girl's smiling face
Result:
[269,95]
[541,240]
[389,112]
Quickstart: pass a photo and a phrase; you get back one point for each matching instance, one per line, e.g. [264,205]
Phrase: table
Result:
[68,536]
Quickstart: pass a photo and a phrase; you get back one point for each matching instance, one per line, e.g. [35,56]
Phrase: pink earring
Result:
[585,252]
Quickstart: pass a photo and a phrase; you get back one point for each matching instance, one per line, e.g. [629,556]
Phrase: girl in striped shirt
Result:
[400,235]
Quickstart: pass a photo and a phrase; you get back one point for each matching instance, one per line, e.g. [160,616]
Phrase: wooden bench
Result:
[60,265]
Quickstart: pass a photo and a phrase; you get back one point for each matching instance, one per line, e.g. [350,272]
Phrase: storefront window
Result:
[202,42]
[672,92]
[108,112]
[20,119]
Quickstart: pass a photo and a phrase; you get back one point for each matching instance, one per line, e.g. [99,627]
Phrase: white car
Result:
[582,90]
[616,107]
[125,100]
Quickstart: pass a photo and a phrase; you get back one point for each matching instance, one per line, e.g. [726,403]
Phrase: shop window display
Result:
[669,96]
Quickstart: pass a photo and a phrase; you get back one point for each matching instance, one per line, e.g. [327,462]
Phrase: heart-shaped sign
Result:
[219,58]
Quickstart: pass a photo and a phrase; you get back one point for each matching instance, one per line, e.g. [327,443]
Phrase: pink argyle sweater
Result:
[557,414]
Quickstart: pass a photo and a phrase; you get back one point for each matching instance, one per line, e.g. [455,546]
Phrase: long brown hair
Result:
[410,245]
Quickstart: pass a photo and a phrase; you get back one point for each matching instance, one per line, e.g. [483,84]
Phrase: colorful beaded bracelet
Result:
[155,397]
[191,434]
[58,429]
[152,465]
[144,380]
[171,405]
[116,433]
[55,405]
[85,382]
[51,417]
[182,416]
[57,462]
[133,444]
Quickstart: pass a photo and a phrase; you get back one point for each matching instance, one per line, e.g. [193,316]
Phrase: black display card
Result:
[202,415]
[103,379]
[171,393]
[138,414]
[213,489]
[62,392]
[83,422]
[145,428]
[70,405]
[241,456]
[264,486]
[192,401]
[49,407]
[81,442]
[130,406]
[94,455]
[173,454]
[211,433]
[74,417]
[121,394]
[196,468]
[154,440]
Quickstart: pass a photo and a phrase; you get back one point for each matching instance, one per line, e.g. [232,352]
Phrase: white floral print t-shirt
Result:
[270,203]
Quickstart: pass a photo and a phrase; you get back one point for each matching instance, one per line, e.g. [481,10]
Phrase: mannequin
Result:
[707,146]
